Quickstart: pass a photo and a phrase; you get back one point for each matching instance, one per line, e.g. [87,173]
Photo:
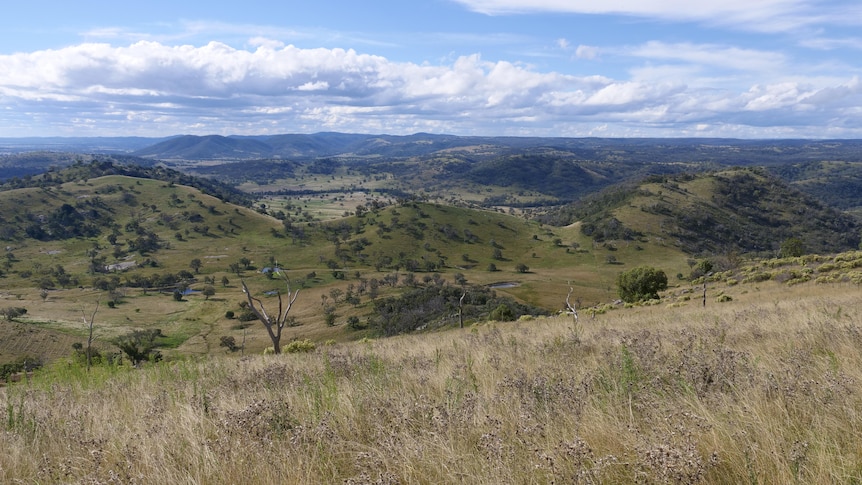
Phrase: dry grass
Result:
[763,389]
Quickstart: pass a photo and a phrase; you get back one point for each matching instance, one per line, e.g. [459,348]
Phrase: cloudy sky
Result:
[621,68]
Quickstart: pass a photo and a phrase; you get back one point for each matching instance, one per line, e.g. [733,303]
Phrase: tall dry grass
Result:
[764,389]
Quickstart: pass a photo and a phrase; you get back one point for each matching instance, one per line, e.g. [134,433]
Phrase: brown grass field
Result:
[762,389]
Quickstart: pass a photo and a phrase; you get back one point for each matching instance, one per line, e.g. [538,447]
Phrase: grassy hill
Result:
[741,211]
[133,242]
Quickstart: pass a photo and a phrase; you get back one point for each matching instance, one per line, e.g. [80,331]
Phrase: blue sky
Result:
[619,68]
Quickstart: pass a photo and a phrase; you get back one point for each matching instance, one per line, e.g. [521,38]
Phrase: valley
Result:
[360,224]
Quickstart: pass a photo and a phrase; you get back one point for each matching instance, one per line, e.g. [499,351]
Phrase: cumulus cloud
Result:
[151,88]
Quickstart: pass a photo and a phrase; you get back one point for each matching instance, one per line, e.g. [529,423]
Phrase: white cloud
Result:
[761,15]
[150,88]
[711,55]
[827,43]
[265,42]
[586,52]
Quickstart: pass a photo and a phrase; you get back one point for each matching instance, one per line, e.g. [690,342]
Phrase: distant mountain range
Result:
[330,144]
[553,170]
[125,144]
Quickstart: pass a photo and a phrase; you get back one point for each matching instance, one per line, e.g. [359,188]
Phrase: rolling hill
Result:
[739,211]
[552,170]
[137,236]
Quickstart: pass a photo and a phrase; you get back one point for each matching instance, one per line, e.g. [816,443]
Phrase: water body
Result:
[504,284]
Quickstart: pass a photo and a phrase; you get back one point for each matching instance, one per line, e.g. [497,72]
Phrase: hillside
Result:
[135,242]
[739,211]
[762,388]
[373,265]
[837,183]
[211,147]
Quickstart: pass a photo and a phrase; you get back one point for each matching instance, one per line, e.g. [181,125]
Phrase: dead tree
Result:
[273,323]
[89,324]
[461,309]
[573,309]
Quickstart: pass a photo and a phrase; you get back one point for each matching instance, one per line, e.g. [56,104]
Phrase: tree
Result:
[229,342]
[140,345]
[273,323]
[641,283]
[208,291]
[195,265]
[460,279]
[502,314]
[353,322]
[792,248]
[522,268]
[12,312]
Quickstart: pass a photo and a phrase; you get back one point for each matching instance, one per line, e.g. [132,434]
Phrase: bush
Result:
[702,268]
[12,312]
[792,248]
[79,355]
[23,364]
[502,314]
[298,346]
[641,283]
[140,345]
[354,323]
[229,342]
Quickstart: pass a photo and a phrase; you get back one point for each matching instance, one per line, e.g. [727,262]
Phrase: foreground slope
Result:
[762,389]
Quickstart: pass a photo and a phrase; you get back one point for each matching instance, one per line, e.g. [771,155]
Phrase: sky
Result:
[556,68]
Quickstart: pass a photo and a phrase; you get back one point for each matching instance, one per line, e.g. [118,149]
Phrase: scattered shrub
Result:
[298,346]
[641,283]
[229,342]
[502,314]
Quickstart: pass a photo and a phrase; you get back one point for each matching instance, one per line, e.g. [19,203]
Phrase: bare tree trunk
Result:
[461,309]
[90,335]
[273,323]
[572,308]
